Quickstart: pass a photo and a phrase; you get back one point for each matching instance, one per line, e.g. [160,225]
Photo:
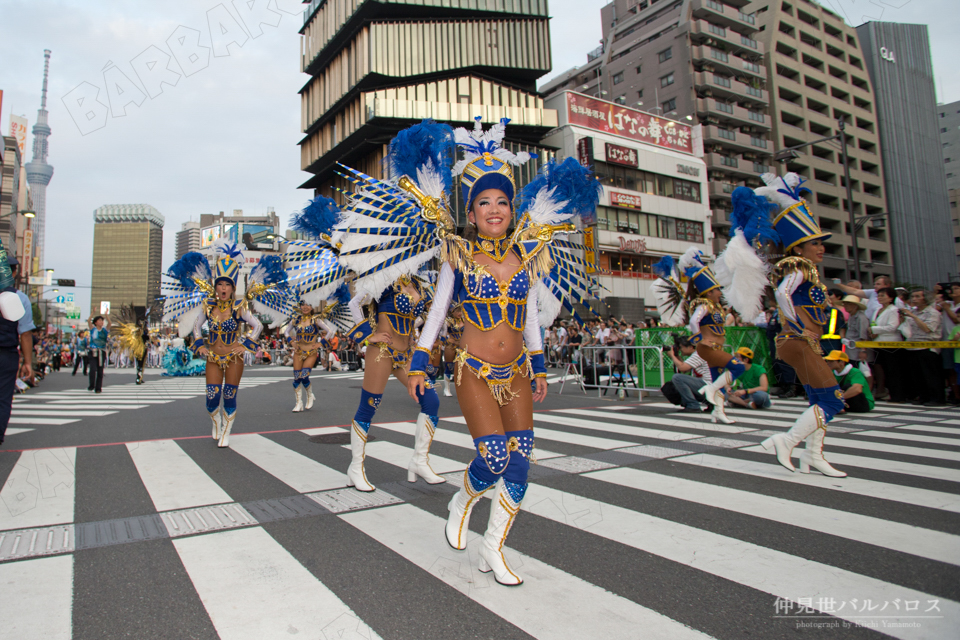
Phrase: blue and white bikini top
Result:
[400,308]
[307,329]
[713,320]
[225,331]
[487,302]
[810,294]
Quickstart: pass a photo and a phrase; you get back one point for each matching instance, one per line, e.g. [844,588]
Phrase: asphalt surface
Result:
[120,518]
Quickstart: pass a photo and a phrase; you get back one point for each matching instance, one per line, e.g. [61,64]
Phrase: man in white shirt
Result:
[688,385]
[852,288]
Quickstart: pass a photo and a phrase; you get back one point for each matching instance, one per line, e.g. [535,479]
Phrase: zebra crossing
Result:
[638,522]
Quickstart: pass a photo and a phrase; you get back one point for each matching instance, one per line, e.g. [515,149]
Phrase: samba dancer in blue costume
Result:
[316,282]
[504,282]
[197,295]
[802,302]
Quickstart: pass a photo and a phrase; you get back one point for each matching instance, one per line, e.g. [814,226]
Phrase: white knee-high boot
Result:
[356,476]
[460,507]
[808,422]
[503,512]
[420,461]
[713,394]
[812,456]
[298,407]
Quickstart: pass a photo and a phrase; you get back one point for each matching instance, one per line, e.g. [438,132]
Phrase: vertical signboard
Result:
[18,130]
[26,261]
[589,241]
[585,151]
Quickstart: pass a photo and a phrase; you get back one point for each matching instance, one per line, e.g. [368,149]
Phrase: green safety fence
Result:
[752,337]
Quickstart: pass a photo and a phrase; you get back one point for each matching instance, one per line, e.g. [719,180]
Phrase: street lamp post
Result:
[790,153]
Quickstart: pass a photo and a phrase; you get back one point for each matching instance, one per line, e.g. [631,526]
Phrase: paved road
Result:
[120,518]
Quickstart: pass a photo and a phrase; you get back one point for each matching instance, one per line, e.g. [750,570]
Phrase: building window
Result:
[729,161]
[622,177]
[716,54]
[640,93]
[718,30]
[748,42]
[723,106]
[726,133]
[716,6]
[666,80]
[621,99]
[758,117]
[753,91]
[639,69]
[665,55]
[721,81]
[669,105]
[618,78]
[758,142]
[749,66]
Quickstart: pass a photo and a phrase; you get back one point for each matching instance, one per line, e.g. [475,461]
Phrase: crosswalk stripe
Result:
[541,608]
[952,431]
[879,464]
[16,419]
[111,401]
[767,570]
[642,432]
[663,420]
[954,422]
[172,478]
[288,466]
[252,588]
[925,543]
[26,412]
[70,407]
[40,489]
[850,443]
[568,437]
[851,484]
[453,438]
[912,437]
[40,607]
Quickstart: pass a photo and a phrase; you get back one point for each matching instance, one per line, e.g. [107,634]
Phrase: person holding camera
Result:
[689,384]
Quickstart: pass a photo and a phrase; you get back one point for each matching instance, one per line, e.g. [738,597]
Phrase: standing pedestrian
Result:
[14,334]
[98,352]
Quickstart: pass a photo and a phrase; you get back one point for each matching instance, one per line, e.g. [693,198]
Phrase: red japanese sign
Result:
[627,200]
[601,115]
[621,155]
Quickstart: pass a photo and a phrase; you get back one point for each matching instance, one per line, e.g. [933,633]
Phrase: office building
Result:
[948,122]
[696,62]
[188,238]
[954,196]
[127,253]
[11,168]
[901,72]
[654,200]
[816,76]
[378,67]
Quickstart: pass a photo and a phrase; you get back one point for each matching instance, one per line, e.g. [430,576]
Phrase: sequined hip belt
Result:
[499,377]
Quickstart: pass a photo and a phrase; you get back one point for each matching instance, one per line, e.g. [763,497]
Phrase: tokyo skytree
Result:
[38,171]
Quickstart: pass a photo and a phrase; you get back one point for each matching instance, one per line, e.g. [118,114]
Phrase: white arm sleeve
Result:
[785,294]
[531,332]
[696,318]
[198,323]
[328,327]
[255,325]
[291,331]
[355,304]
[438,310]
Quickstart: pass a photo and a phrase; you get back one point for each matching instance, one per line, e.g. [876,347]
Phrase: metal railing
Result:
[620,368]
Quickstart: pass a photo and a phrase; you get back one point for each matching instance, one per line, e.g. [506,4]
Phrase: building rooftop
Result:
[128,213]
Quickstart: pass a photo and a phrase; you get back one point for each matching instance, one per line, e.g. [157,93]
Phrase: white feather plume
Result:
[548,305]
[746,275]
[429,180]
[543,209]
[772,191]
[670,315]
[187,320]
[692,258]
[276,317]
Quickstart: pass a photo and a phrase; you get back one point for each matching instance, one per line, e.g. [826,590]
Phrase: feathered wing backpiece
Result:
[392,228]
[740,269]
[669,294]
[547,206]
[268,291]
[317,219]
[186,287]
[124,324]
[313,268]
[337,311]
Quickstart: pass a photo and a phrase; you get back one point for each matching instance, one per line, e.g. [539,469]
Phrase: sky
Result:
[220,133]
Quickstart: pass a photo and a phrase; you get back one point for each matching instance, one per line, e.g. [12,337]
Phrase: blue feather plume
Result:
[664,268]
[269,271]
[317,218]
[691,271]
[572,182]
[342,295]
[190,266]
[428,140]
[231,250]
[751,214]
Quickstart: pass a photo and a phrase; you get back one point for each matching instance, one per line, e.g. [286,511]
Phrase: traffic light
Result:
[66,283]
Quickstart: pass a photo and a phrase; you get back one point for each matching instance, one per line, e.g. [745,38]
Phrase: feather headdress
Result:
[668,293]
[476,142]
[268,291]
[316,220]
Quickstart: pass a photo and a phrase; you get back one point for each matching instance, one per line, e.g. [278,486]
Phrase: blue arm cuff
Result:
[196,345]
[419,361]
[361,331]
[538,364]
[249,345]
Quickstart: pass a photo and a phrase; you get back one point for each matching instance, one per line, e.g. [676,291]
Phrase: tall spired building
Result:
[38,171]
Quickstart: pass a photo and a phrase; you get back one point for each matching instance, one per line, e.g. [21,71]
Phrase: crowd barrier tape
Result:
[908,345]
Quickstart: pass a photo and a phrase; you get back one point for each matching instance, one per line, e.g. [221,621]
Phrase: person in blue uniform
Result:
[97,341]
[14,334]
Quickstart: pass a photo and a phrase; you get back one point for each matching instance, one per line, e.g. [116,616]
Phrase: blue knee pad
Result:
[829,399]
[368,407]
[296,378]
[430,403]
[213,397]
[480,484]
[448,369]
[735,367]
[516,490]
[230,398]
[520,454]
[305,377]
[715,373]
[492,458]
